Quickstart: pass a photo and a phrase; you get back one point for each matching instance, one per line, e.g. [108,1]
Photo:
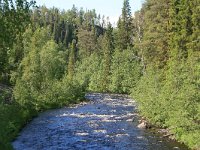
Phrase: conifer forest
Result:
[50,58]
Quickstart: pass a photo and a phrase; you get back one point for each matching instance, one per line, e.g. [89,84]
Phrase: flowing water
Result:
[106,122]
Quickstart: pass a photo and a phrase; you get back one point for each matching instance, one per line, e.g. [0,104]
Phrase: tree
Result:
[168,94]
[72,60]
[86,43]
[139,31]
[155,45]
[41,67]
[14,18]
[125,27]
[125,71]
[108,47]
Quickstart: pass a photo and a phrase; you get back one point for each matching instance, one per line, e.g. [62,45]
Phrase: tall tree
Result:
[72,60]
[108,47]
[156,32]
[181,26]
[125,27]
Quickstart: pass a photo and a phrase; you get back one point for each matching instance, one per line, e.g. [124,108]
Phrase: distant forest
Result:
[51,58]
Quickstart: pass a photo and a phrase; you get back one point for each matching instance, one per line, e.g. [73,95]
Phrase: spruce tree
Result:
[125,27]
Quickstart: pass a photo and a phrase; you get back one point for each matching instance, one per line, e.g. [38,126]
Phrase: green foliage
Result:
[125,26]
[86,43]
[154,56]
[41,75]
[126,71]
[41,83]
[72,60]
[13,118]
[108,48]
[14,18]
[155,32]
[86,69]
[96,80]
[60,93]
[168,92]
[5,96]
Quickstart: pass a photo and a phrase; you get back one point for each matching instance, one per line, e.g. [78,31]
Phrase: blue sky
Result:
[110,8]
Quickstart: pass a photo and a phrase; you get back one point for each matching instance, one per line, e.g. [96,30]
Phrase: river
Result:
[105,122]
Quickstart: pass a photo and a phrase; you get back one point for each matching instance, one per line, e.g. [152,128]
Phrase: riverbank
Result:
[14,116]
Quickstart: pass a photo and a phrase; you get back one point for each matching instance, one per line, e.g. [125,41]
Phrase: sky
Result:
[109,8]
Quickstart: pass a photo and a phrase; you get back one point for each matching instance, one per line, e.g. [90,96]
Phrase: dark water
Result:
[104,123]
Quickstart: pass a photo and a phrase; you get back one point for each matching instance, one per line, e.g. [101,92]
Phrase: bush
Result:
[170,98]
[125,71]
[13,118]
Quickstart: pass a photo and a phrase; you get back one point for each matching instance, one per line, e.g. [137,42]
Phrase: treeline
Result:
[53,57]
